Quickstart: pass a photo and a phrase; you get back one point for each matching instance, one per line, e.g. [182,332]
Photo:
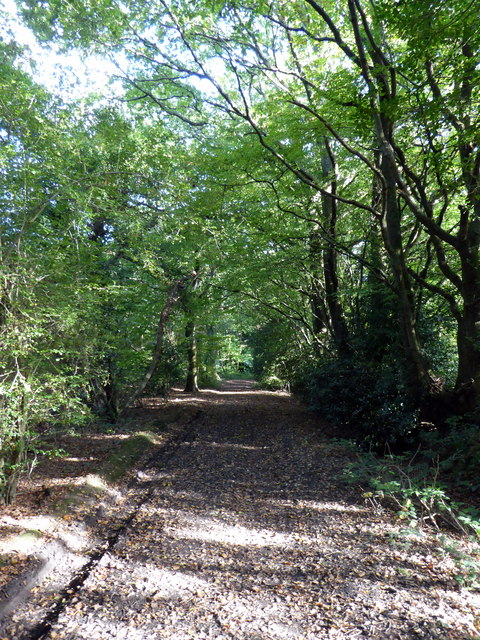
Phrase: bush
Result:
[272,383]
[457,452]
[370,402]
[24,405]
[413,490]
[208,380]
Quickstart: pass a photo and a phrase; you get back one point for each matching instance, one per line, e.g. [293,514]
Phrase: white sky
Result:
[71,75]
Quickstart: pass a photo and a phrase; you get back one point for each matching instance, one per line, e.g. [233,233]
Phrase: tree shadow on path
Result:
[250,534]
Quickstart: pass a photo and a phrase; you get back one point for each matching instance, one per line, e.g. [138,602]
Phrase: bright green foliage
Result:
[413,490]
[40,378]
[306,174]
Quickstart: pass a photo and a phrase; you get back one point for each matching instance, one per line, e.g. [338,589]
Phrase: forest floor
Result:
[236,524]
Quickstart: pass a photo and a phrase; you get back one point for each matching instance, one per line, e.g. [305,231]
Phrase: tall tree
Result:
[291,74]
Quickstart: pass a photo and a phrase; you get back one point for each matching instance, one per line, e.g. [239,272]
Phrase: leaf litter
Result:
[248,533]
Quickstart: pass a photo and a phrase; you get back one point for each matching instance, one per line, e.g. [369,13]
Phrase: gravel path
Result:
[249,534]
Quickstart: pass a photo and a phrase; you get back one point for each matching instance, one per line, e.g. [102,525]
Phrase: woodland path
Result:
[248,533]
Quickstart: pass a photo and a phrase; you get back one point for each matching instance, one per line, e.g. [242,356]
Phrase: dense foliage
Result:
[293,182]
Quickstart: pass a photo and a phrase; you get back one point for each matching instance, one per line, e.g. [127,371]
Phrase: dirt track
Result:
[248,533]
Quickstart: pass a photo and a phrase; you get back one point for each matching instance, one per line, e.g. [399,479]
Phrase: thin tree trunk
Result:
[320,320]
[210,358]
[172,298]
[329,207]
[110,394]
[191,385]
[14,448]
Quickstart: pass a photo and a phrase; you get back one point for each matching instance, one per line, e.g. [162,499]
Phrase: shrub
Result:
[370,402]
[272,383]
[413,490]
[458,453]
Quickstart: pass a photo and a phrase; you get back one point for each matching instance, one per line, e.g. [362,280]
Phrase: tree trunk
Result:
[111,408]
[320,320]
[210,357]
[418,374]
[379,308]
[14,446]
[191,385]
[11,467]
[172,298]
[329,208]
[467,386]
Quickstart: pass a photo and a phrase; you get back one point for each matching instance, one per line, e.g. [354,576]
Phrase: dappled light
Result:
[38,523]
[244,531]
[74,540]
[239,320]
[317,506]
[235,445]
[211,531]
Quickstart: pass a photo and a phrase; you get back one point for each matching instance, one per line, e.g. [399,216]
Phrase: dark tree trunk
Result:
[13,466]
[330,272]
[320,320]
[467,386]
[319,316]
[376,315]
[416,366]
[111,407]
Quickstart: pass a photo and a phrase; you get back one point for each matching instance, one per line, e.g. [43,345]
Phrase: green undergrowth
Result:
[237,375]
[272,383]
[413,490]
[419,491]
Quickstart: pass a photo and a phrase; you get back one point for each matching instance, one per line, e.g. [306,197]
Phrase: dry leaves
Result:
[249,534]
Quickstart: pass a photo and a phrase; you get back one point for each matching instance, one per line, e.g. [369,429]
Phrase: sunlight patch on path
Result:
[25,540]
[155,600]
[211,531]
[256,392]
[315,506]
[234,445]
[165,583]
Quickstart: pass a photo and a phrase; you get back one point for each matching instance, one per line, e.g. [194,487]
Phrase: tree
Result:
[387,88]
[39,287]
[329,165]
